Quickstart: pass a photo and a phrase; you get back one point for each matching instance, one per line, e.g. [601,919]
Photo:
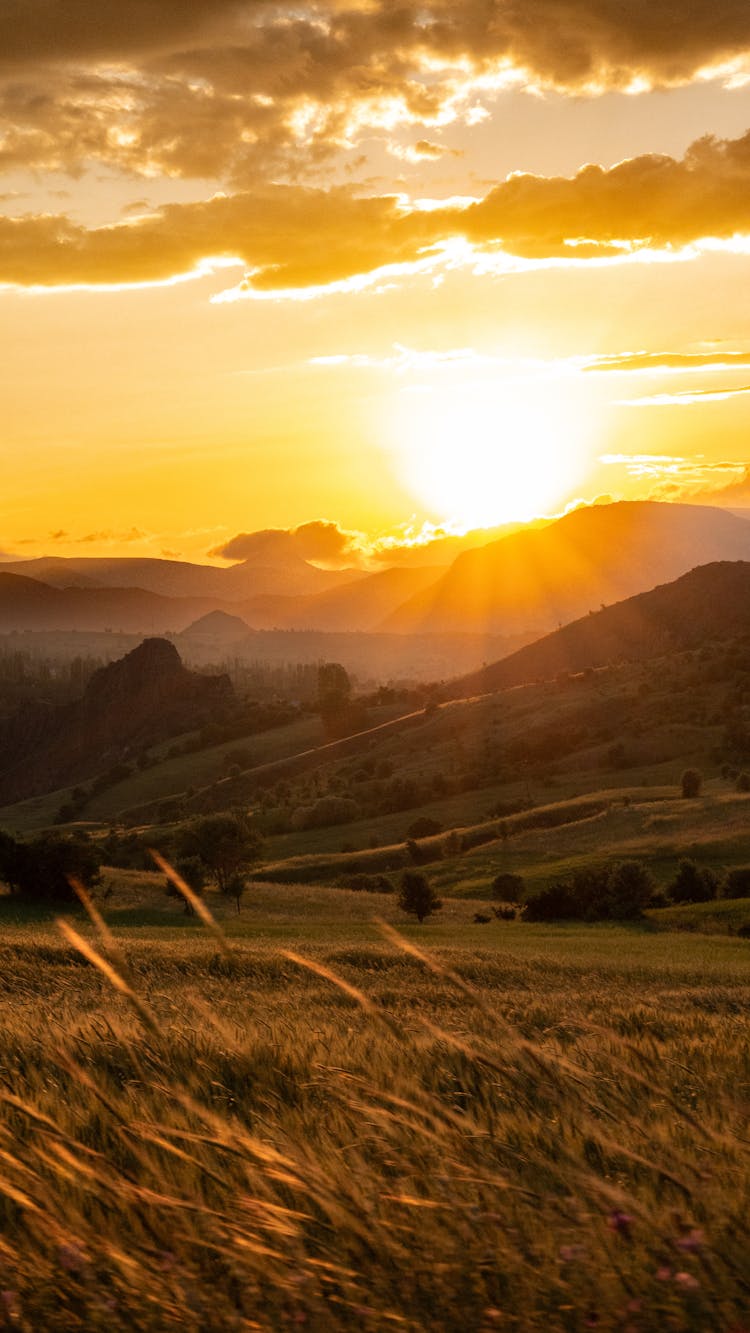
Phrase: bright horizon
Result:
[380,274]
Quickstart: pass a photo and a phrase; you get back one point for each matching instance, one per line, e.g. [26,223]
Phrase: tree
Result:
[507,888]
[630,886]
[334,689]
[42,871]
[417,896]
[227,845]
[693,883]
[691,783]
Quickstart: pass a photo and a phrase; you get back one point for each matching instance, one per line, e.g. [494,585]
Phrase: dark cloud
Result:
[211,87]
[319,542]
[293,236]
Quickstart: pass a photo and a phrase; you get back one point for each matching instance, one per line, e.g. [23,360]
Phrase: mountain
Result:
[291,576]
[217,628]
[536,579]
[358,606]
[709,603]
[29,604]
[134,702]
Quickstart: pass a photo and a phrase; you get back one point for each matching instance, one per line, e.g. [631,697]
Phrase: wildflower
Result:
[620,1222]
[687,1281]
[692,1242]
[664,1274]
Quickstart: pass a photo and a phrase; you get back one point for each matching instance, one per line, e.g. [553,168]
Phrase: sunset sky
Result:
[392,266]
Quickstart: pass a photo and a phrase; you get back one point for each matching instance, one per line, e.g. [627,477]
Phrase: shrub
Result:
[597,893]
[507,887]
[417,896]
[424,827]
[736,883]
[743,782]
[693,883]
[691,783]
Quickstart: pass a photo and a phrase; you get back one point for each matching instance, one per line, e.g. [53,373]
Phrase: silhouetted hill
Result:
[136,701]
[358,606]
[217,628]
[181,578]
[536,579]
[27,604]
[709,603]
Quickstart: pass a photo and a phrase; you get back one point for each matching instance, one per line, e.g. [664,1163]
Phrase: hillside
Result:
[140,699]
[359,606]
[540,578]
[709,603]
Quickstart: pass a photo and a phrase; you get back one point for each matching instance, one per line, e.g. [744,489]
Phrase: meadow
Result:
[316,1119]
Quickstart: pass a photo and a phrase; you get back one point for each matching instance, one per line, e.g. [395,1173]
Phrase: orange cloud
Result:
[289,236]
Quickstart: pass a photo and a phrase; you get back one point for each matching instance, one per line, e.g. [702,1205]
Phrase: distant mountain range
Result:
[179,578]
[538,579]
[524,584]
[709,603]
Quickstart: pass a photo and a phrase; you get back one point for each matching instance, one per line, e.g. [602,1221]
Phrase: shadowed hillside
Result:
[142,698]
[538,579]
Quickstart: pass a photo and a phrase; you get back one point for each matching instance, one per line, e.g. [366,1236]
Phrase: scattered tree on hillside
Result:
[41,871]
[507,888]
[417,896]
[227,846]
[693,883]
[617,892]
[691,783]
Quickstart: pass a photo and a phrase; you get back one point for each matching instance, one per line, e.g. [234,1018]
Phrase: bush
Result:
[743,782]
[736,883]
[600,893]
[417,896]
[424,828]
[691,783]
[326,812]
[693,883]
[507,888]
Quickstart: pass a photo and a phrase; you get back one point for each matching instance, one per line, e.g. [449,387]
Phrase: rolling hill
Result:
[540,578]
[358,606]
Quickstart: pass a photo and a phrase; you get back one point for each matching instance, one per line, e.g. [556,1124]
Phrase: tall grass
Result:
[367,1137]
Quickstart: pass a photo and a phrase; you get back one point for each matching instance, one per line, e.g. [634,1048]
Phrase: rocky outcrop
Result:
[143,698]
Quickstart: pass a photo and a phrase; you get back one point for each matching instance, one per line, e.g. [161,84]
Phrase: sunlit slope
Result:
[709,603]
[541,578]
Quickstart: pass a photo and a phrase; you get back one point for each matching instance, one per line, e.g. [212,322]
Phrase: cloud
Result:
[223,88]
[677,478]
[658,362]
[295,237]
[320,542]
[685,397]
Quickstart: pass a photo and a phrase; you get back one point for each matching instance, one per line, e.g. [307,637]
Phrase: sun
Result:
[488,453]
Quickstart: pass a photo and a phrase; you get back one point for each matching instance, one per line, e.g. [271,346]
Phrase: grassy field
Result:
[514,1127]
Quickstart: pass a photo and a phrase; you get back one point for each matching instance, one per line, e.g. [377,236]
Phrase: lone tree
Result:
[417,896]
[691,782]
[227,846]
[42,871]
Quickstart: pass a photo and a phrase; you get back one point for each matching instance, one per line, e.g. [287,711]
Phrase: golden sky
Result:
[394,266]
